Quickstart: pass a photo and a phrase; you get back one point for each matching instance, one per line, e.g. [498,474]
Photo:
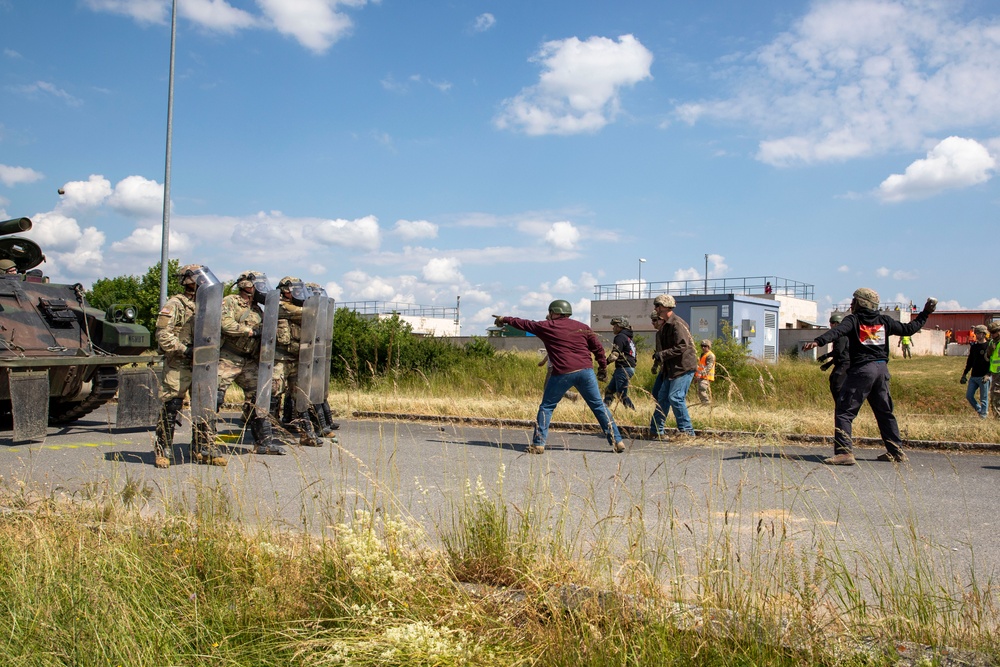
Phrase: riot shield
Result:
[265,367]
[138,398]
[320,381]
[29,403]
[307,351]
[205,364]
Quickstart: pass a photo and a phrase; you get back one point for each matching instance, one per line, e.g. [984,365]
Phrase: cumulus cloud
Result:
[416,229]
[443,270]
[989,304]
[137,197]
[719,267]
[315,24]
[860,77]
[953,163]
[579,88]
[146,241]
[363,286]
[362,233]
[882,272]
[690,273]
[216,15]
[79,195]
[484,22]
[843,268]
[11,176]
[86,258]
[55,231]
[563,235]
[142,11]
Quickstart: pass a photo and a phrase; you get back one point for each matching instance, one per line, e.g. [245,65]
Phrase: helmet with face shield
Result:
[193,276]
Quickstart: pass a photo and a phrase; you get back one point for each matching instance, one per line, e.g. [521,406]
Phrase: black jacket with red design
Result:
[868,334]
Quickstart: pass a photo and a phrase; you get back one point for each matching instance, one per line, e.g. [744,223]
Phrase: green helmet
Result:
[621,321]
[836,318]
[560,307]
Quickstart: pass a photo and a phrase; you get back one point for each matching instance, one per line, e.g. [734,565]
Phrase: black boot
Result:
[264,437]
[328,413]
[323,429]
[220,398]
[304,427]
[165,432]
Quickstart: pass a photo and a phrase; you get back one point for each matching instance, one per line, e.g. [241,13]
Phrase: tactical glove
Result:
[963,380]
[824,357]
[189,352]
[826,365]
[602,374]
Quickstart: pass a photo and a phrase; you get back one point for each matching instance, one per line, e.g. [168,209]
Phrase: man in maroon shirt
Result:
[570,345]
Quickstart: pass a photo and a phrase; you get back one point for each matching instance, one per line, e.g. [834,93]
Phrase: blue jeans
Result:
[982,385]
[585,382]
[619,386]
[671,393]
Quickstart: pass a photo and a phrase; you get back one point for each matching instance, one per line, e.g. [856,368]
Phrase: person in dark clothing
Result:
[867,332]
[570,345]
[839,357]
[978,364]
[679,362]
[623,356]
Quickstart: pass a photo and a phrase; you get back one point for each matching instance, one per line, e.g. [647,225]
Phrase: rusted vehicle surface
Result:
[60,359]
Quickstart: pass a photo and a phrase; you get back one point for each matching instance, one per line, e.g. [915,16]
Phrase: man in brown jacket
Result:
[678,363]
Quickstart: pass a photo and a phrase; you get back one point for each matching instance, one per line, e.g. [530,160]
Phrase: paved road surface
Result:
[652,503]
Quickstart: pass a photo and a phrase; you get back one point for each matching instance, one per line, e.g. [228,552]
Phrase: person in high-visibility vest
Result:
[705,375]
[993,353]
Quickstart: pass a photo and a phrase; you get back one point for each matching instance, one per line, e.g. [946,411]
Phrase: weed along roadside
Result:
[418,543]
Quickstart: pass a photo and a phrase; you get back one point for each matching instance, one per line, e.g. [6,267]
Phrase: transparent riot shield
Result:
[265,367]
[320,378]
[327,341]
[307,351]
[205,363]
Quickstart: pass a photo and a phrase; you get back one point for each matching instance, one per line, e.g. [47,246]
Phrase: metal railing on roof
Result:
[753,285]
[397,308]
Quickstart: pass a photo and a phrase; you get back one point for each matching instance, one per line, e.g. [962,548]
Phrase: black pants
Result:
[838,376]
[867,382]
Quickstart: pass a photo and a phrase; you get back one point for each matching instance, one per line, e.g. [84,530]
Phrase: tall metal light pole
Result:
[165,241]
[706,274]
[641,262]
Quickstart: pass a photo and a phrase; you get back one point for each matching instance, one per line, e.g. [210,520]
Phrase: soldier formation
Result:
[272,343]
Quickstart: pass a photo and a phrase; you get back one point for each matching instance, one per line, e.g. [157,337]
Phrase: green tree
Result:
[143,292]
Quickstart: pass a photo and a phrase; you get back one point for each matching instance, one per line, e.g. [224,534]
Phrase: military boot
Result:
[323,429]
[264,438]
[329,416]
[164,447]
[307,434]
[203,447]
[220,399]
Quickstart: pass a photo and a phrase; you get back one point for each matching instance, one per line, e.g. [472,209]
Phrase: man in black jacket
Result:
[839,357]
[867,331]
[978,364]
[623,356]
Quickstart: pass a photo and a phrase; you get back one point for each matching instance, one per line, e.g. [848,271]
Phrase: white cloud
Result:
[535,302]
[49,89]
[315,24]
[11,176]
[137,197]
[362,286]
[85,259]
[11,53]
[443,270]
[333,290]
[564,284]
[859,77]
[147,241]
[843,268]
[954,163]
[687,274]
[143,11]
[362,233]
[989,304]
[719,267]
[416,229]
[951,304]
[882,272]
[55,231]
[579,88]
[563,235]
[85,194]
[484,22]
[904,275]
[216,15]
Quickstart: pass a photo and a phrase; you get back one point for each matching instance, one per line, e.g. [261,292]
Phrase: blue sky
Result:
[512,152]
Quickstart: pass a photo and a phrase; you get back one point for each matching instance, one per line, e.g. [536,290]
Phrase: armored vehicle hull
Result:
[59,358]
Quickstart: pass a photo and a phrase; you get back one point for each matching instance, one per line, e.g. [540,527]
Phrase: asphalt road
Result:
[661,504]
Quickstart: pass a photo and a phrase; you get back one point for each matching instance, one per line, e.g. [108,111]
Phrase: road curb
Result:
[640,433]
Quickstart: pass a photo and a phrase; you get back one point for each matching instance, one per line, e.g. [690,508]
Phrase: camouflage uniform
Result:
[286,366]
[238,358]
[174,336]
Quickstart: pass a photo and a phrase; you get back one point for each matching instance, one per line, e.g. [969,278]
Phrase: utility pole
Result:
[706,274]
[165,241]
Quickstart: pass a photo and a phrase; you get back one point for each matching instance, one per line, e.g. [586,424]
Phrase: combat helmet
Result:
[193,276]
[836,317]
[256,279]
[620,320]
[665,301]
[6,265]
[561,307]
[293,286]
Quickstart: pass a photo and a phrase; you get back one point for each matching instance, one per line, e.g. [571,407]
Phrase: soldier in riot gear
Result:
[242,318]
[286,362]
[321,412]
[175,337]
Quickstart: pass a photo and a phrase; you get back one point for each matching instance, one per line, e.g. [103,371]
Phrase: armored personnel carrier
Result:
[60,359]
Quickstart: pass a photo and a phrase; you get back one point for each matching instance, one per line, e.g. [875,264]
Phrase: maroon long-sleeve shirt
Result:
[568,343]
